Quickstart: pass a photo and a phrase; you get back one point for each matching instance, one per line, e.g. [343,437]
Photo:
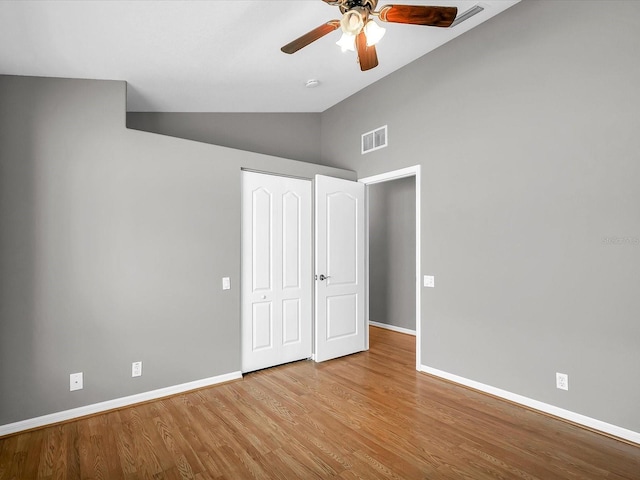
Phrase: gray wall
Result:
[392,252]
[527,132]
[113,243]
[288,135]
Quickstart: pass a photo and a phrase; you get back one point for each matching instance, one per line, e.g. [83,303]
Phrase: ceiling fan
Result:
[361,33]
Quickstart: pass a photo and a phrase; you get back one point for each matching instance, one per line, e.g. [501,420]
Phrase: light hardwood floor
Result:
[369,416]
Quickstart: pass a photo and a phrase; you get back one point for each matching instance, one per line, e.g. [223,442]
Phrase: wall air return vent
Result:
[374,140]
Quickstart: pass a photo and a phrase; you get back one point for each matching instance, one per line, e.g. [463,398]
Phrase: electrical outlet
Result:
[562,381]
[226,283]
[136,369]
[429,281]
[75,382]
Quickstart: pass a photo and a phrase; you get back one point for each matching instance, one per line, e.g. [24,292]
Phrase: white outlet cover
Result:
[136,369]
[226,283]
[429,281]
[75,382]
[562,381]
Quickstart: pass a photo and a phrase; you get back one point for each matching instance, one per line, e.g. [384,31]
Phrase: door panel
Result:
[291,319]
[262,327]
[291,240]
[261,242]
[340,297]
[276,270]
[342,315]
[342,239]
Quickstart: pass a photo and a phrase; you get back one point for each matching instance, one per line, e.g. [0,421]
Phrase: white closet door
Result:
[276,270]
[340,280]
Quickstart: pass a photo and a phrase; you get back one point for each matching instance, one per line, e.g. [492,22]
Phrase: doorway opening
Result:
[393,259]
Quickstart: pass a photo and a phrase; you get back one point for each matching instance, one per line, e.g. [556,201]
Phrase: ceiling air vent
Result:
[374,140]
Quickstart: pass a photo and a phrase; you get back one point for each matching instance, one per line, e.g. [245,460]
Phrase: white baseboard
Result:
[577,418]
[393,327]
[113,404]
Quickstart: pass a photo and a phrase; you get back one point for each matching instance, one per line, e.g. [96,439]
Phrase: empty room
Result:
[319,239]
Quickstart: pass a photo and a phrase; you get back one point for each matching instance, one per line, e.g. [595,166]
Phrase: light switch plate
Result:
[429,281]
[226,283]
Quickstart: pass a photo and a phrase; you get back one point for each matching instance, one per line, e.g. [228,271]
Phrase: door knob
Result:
[324,277]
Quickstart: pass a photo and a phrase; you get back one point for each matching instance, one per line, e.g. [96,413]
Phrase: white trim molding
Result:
[392,175]
[74,413]
[573,417]
[393,328]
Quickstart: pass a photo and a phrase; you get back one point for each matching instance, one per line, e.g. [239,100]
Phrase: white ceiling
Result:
[208,56]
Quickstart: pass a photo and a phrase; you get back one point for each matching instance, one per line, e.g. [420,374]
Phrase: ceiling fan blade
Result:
[311,36]
[418,15]
[366,55]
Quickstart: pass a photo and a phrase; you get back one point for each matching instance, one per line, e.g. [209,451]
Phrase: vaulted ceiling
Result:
[209,56]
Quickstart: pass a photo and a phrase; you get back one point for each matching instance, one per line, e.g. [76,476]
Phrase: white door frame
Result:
[386,177]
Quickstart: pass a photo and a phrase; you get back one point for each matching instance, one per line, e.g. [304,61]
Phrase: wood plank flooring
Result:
[367,416]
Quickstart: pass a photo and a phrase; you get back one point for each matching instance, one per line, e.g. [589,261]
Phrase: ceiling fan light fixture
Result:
[347,42]
[373,32]
[352,21]
[361,33]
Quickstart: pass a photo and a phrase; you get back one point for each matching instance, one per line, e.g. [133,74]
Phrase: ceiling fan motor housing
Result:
[367,5]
